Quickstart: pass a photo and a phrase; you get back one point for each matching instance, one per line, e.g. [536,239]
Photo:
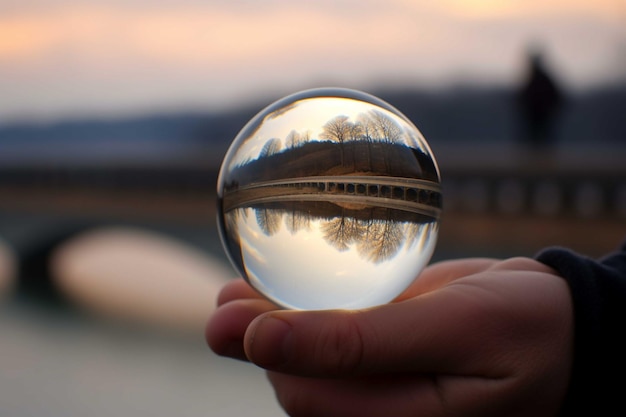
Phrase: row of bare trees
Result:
[373,126]
[376,240]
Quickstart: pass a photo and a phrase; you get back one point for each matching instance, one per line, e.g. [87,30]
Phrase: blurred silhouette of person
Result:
[540,100]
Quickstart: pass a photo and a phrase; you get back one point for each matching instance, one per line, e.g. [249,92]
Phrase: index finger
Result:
[235,290]
[466,328]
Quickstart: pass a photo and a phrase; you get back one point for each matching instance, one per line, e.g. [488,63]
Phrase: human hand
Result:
[471,337]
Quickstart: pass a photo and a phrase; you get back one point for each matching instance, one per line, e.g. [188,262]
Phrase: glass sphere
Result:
[329,198]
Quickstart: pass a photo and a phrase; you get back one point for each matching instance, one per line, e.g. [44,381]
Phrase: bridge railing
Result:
[536,195]
[579,181]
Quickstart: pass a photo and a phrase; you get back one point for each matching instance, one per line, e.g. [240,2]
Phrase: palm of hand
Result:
[469,337]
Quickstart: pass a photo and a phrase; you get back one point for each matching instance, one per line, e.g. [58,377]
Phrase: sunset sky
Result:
[73,58]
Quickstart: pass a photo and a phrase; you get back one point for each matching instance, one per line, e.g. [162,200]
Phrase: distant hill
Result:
[320,158]
[453,115]
[491,115]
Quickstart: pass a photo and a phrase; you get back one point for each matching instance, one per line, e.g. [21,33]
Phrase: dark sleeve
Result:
[598,288]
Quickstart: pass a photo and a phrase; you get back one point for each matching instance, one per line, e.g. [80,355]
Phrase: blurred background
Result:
[115,115]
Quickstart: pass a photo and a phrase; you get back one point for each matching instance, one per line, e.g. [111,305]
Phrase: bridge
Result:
[578,182]
[420,196]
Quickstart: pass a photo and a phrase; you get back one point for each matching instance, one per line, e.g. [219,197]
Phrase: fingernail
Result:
[270,343]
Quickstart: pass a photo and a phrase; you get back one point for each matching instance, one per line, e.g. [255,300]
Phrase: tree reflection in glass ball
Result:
[329,198]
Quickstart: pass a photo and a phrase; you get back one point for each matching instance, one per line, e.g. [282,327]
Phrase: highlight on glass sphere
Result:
[329,199]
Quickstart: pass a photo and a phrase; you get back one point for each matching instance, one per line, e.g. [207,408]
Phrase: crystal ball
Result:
[329,199]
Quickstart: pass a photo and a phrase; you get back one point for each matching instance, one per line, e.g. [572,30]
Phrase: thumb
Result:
[422,334]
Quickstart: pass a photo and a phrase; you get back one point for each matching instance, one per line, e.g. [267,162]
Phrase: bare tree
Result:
[384,129]
[355,131]
[368,133]
[337,130]
[271,147]
[384,240]
[232,218]
[292,140]
[269,220]
[341,232]
[295,139]
[387,130]
[296,220]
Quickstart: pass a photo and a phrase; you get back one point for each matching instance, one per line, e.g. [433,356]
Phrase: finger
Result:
[398,397]
[441,273]
[407,395]
[227,326]
[415,335]
[466,328]
[236,289]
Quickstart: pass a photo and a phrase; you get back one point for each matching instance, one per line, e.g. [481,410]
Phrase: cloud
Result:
[120,54]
